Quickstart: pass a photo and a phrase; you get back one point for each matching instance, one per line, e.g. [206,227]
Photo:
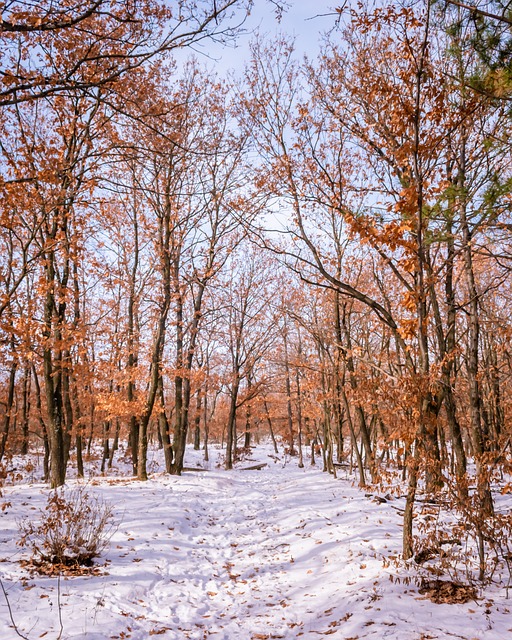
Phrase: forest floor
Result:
[243,555]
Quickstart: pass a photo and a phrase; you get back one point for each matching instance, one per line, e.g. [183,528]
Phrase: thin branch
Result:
[10,612]
[480,12]
[59,607]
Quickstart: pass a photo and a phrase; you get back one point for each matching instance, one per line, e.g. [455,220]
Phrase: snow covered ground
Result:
[243,555]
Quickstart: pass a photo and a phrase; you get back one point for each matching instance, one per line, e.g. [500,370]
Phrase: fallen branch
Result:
[10,612]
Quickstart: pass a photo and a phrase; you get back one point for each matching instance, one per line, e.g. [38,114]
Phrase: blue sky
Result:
[305,20]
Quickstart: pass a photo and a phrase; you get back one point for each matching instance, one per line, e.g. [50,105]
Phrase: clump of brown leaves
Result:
[447,591]
[75,528]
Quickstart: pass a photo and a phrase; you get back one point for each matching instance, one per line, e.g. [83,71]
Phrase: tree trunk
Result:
[480,445]
[359,459]
[25,411]
[408,540]
[346,352]
[115,444]
[299,417]
[154,378]
[163,426]
[8,409]
[247,439]
[78,436]
[106,445]
[269,421]
[231,426]
[289,413]
[44,431]
[66,397]
[197,422]
[183,385]
[52,374]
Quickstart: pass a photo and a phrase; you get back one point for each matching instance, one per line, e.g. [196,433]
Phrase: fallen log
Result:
[255,467]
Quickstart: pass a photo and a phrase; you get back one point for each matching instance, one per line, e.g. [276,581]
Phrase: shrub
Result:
[459,539]
[75,528]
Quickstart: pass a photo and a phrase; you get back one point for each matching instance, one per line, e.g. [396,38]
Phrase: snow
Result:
[278,553]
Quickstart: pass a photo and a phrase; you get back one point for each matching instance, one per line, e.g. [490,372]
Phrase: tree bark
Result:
[8,408]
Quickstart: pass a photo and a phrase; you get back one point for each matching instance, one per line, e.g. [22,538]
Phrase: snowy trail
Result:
[243,555]
[232,557]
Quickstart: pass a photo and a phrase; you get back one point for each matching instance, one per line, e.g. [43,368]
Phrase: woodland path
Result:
[241,555]
[238,558]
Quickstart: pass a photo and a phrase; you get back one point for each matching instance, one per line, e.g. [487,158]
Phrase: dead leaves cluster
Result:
[447,591]
[51,569]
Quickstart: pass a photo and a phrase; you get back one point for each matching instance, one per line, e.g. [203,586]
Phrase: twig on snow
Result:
[10,612]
